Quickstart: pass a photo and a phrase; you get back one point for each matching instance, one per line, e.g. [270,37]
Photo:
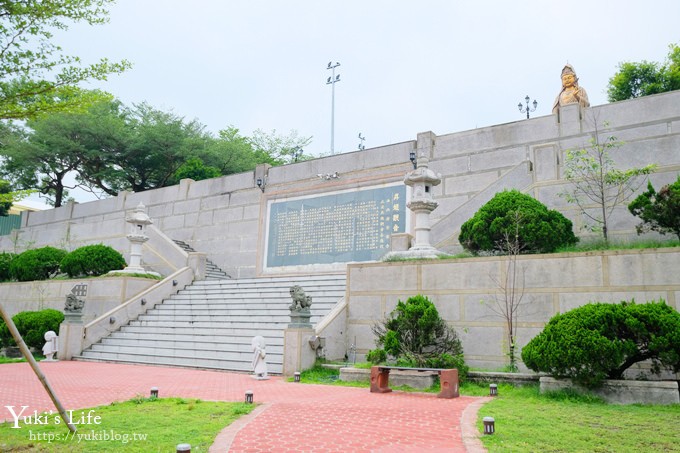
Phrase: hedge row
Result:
[46,262]
[32,325]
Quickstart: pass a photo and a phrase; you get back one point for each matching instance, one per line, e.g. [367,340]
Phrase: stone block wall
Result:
[103,294]
[226,217]
[464,292]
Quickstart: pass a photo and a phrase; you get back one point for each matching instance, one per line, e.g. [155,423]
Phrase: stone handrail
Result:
[170,256]
[330,316]
[132,308]
[331,327]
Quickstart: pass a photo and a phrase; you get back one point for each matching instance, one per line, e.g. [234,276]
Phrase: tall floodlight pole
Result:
[331,81]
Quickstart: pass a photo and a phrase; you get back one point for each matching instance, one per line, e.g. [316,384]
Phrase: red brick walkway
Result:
[292,418]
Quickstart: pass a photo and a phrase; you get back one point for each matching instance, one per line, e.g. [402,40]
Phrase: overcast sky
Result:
[406,66]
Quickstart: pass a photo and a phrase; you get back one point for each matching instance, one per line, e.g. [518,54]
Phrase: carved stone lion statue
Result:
[73,304]
[300,299]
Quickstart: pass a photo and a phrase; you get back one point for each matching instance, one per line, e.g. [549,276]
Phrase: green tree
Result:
[161,142]
[597,185]
[35,76]
[195,169]
[5,197]
[231,152]
[600,341]
[44,158]
[541,230]
[634,80]
[659,211]
[416,335]
[277,149]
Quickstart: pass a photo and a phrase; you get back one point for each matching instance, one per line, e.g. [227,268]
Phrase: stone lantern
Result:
[138,221]
[422,203]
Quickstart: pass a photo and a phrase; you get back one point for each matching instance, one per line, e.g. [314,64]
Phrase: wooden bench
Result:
[380,376]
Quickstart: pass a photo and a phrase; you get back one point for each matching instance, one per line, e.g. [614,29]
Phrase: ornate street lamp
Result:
[522,110]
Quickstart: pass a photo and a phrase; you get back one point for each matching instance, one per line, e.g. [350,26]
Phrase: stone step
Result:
[251,297]
[231,340]
[221,312]
[252,308]
[287,282]
[270,331]
[220,315]
[188,344]
[187,361]
[211,324]
[213,354]
[275,290]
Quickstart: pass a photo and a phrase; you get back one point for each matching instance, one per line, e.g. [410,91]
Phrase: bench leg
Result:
[380,380]
[449,384]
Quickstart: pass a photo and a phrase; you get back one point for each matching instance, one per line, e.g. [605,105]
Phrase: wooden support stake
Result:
[38,372]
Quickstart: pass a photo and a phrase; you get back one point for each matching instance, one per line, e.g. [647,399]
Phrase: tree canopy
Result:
[111,147]
[36,77]
[634,80]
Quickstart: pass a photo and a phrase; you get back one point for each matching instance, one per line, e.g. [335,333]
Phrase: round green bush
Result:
[36,264]
[511,215]
[415,335]
[376,356]
[94,260]
[600,341]
[5,261]
[32,325]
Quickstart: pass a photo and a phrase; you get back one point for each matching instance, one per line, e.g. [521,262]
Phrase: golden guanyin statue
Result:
[571,92]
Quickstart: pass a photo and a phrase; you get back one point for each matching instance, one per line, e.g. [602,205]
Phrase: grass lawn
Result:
[526,421]
[139,425]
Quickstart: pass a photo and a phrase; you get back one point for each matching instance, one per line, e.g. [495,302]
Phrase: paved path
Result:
[292,417]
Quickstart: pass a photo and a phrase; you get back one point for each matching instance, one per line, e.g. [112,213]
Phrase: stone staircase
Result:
[211,323]
[212,271]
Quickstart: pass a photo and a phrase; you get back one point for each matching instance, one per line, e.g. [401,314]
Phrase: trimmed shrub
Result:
[5,261]
[94,260]
[376,356]
[658,211]
[32,325]
[415,335]
[600,341]
[36,264]
[539,229]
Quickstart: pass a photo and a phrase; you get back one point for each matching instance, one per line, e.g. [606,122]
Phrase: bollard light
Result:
[183,448]
[249,396]
[154,392]
[296,376]
[493,390]
[489,425]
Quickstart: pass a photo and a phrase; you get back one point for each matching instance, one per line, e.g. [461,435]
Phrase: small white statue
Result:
[51,346]
[259,354]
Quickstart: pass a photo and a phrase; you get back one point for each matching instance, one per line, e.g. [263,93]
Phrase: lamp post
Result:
[361,143]
[332,80]
[522,110]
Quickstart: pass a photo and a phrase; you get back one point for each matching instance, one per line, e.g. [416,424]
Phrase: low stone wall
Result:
[622,392]
[464,292]
[103,294]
